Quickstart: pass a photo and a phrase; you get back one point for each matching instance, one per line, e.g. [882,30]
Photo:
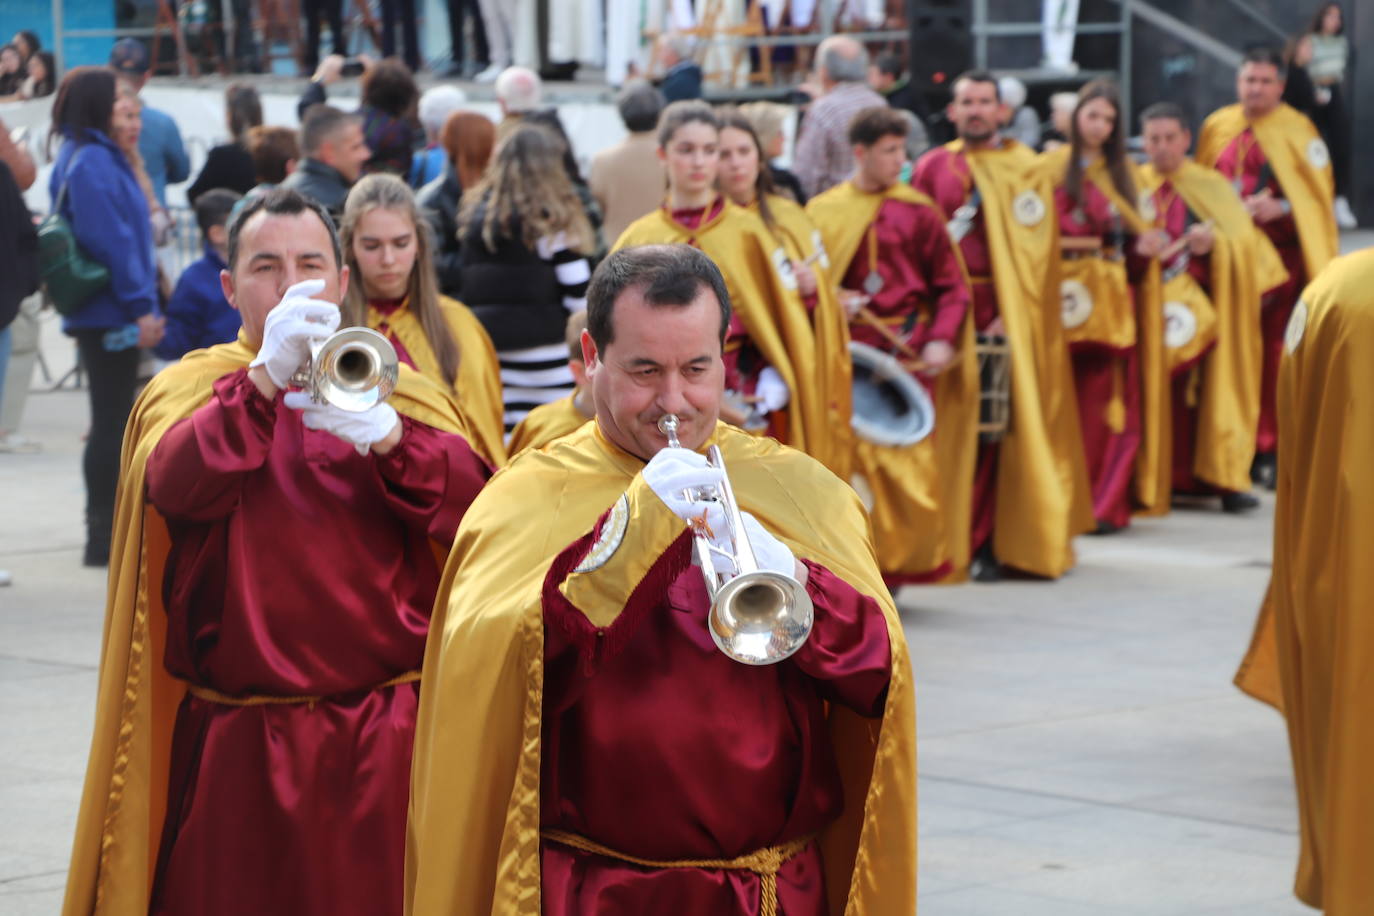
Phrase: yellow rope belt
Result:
[214,696]
[764,862]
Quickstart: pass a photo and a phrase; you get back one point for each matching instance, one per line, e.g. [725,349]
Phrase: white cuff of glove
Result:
[291,327]
[772,389]
[771,553]
[360,429]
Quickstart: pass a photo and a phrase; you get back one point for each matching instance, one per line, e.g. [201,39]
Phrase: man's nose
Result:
[672,394]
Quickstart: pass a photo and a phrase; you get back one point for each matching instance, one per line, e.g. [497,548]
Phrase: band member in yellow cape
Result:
[1216,268]
[770,351]
[1279,165]
[1030,490]
[548,422]
[1112,312]
[272,574]
[746,180]
[1322,584]
[894,259]
[586,747]
[390,253]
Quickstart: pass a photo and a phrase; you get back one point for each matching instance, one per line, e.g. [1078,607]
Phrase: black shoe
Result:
[984,566]
[97,554]
[1265,470]
[1106,527]
[1235,503]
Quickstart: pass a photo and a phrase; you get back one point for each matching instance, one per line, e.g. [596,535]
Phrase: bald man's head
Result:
[518,90]
[841,59]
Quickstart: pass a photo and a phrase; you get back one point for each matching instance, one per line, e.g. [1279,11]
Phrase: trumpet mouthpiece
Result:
[667,424]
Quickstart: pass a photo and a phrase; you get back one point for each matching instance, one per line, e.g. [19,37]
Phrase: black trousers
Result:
[111,379]
[313,9]
[405,11]
[1333,123]
[459,10]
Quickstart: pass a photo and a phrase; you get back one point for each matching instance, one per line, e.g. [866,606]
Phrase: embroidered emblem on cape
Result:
[783,265]
[1028,208]
[1297,324]
[821,255]
[1317,153]
[1075,303]
[1148,211]
[1180,325]
[607,542]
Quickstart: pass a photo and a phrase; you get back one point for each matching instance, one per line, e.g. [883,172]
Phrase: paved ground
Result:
[1082,750]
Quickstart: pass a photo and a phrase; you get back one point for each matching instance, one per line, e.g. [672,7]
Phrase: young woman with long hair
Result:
[1112,311]
[525,241]
[747,181]
[769,347]
[388,248]
[230,165]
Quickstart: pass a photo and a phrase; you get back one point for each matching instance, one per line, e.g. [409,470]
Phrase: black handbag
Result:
[71,277]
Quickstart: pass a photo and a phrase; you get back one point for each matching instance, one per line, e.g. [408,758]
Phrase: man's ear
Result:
[589,357]
[226,284]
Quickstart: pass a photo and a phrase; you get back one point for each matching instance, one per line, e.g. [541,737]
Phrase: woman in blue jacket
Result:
[108,215]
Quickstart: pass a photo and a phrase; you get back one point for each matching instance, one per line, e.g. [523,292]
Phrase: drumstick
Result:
[1177,244]
[914,362]
[1078,243]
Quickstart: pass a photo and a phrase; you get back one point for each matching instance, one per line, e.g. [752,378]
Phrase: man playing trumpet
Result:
[584,746]
[274,566]
[902,281]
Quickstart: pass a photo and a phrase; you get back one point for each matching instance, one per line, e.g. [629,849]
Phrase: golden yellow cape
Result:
[1043,498]
[844,214]
[124,799]
[473,841]
[1301,164]
[1153,465]
[771,310]
[544,424]
[1323,582]
[1244,264]
[478,385]
[802,241]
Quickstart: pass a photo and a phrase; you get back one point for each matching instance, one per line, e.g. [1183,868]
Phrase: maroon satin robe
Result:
[945,178]
[298,568]
[1097,370]
[657,745]
[1243,162]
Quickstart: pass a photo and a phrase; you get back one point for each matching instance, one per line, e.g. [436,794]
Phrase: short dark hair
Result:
[389,86]
[1264,54]
[889,63]
[281,202]
[320,123]
[977,76]
[640,104]
[213,208]
[1165,111]
[667,275]
[85,102]
[876,122]
[271,148]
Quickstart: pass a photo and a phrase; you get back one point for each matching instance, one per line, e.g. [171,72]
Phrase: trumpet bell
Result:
[354,369]
[761,617]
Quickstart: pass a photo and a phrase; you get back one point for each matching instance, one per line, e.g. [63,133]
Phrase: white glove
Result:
[674,470]
[360,428]
[291,326]
[772,389]
[771,553]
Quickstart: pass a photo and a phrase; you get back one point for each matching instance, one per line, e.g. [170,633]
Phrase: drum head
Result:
[890,407]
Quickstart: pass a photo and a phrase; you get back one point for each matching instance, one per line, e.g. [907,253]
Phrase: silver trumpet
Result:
[758,617]
[353,369]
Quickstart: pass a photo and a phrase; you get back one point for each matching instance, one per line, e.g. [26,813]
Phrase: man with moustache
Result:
[572,756]
[273,569]
[1276,160]
[1030,491]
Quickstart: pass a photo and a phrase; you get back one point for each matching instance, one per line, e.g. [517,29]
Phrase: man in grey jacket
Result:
[334,152]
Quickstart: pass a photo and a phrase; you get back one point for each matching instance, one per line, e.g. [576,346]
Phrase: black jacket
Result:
[228,166]
[438,201]
[20,243]
[512,290]
[321,182]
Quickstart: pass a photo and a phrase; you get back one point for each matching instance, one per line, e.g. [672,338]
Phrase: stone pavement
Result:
[1081,748]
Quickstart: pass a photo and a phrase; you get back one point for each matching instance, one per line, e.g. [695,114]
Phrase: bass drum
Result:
[890,407]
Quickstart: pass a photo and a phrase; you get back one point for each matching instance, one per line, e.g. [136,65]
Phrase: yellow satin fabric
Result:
[1323,582]
[473,840]
[478,385]
[921,498]
[544,424]
[1243,265]
[1043,498]
[124,799]
[1285,135]
[802,240]
[765,299]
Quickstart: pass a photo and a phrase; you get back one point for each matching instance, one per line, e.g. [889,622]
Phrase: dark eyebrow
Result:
[264,256]
[311,255]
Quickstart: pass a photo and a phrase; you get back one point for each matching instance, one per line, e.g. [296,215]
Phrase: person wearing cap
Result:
[159,142]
